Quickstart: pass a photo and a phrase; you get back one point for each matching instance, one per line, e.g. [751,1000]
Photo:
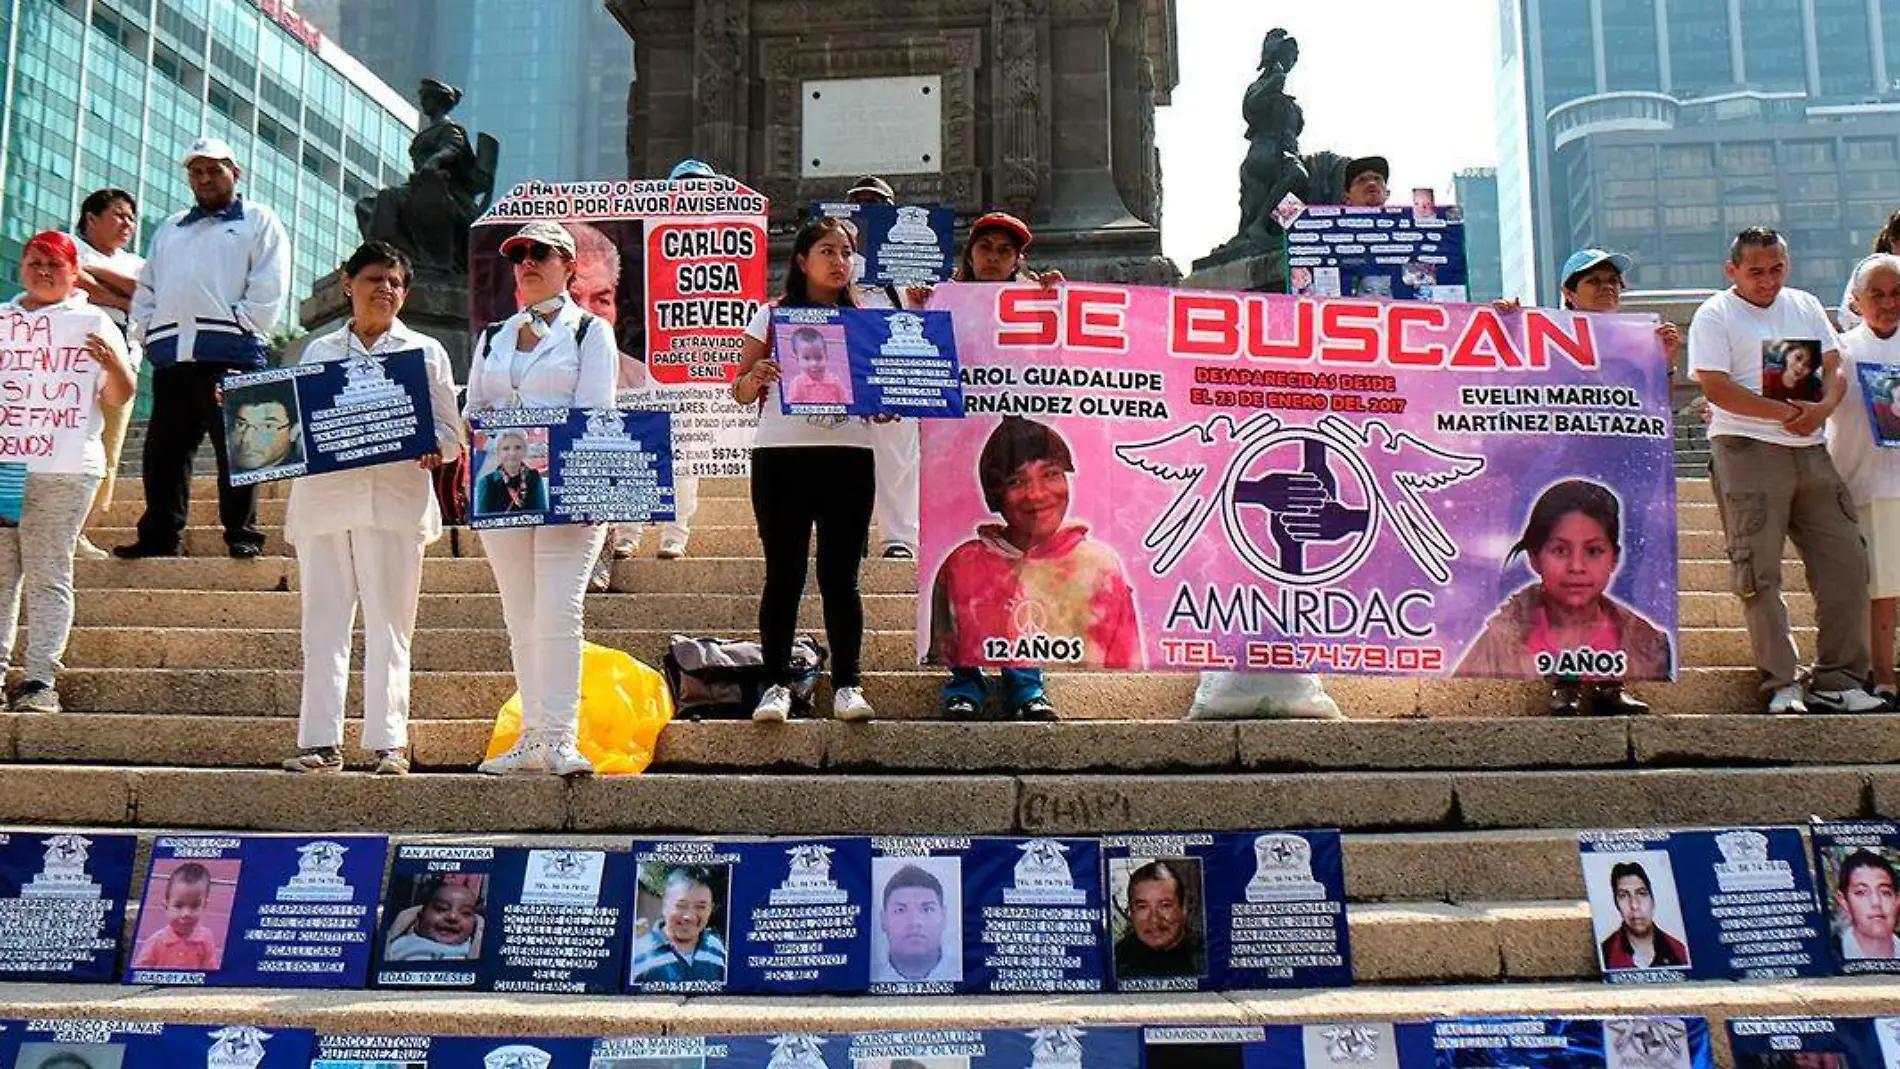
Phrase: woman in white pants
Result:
[360,535]
[548,355]
[37,554]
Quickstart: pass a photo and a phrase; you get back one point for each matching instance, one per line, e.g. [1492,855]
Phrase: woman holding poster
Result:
[538,358]
[38,553]
[808,471]
[1868,466]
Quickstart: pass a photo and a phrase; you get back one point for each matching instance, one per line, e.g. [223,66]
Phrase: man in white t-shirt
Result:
[1773,479]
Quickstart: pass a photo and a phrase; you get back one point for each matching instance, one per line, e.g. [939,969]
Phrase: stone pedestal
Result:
[437,306]
[1254,274]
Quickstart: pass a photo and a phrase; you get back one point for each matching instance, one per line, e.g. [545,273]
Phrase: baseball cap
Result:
[691,169]
[1368,163]
[871,183]
[210,148]
[1584,259]
[1004,221]
[553,235]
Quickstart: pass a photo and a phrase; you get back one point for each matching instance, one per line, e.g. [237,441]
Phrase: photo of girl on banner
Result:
[818,371]
[1860,885]
[1635,909]
[443,921]
[1791,369]
[679,927]
[1035,587]
[186,915]
[1565,622]
[510,472]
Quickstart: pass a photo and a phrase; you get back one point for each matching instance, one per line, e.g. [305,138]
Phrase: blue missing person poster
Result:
[843,362]
[1857,865]
[1814,1042]
[258,911]
[1365,1044]
[1032,916]
[308,419]
[900,245]
[1572,1043]
[801,909]
[1390,253]
[1734,904]
[1880,392]
[1201,912]
[544,466]
[496,918]
[62,905]
[90,1044]
[458,1052]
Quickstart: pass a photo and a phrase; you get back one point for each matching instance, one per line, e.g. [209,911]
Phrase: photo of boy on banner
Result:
[510,471]
[1880,391]
[185,927]
[1791,369]
[442,922]
[1157,922]
[1860,893]
[262,427]
[917,941]
[680,919]
[1634,907]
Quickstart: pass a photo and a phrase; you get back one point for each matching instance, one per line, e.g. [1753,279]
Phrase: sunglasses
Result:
[535,251]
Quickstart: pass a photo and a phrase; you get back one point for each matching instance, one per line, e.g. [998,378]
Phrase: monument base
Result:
[1260,273]
[437,306]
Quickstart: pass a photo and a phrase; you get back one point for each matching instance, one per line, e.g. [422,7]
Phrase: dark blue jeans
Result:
[1019,685]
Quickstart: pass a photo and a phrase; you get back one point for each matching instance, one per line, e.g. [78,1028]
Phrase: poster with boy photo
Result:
[1858,864]
[1635,913]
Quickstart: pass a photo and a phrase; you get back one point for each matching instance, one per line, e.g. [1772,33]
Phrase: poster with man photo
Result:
[309,419]
[94,1044]
[682,916]
[1157,915]
[263,428]
[1880,392]
[1814,1042]
[917,939]
[621,466]
[1859,869]
[1734,904]
[1571,1043]
[74,887]
[1791,369]
[242,911]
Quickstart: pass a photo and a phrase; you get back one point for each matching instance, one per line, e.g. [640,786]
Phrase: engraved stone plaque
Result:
[886,126]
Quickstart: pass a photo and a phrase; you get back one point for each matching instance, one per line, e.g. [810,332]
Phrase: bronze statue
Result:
[428,217]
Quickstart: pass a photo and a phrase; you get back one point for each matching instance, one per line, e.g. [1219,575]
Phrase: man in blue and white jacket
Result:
[215,280]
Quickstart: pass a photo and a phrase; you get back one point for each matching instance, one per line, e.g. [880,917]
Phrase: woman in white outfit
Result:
[37,554]
[551,354]
[108,273]
[360,536]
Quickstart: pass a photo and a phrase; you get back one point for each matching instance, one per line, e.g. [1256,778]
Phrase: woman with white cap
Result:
[551,354]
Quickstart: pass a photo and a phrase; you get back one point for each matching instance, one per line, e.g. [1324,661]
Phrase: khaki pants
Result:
[1768,493]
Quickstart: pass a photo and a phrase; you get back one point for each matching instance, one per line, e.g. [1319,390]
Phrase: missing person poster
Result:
[899,245]
[258,911]
[1858,865]
[1388,253]
[459,1052]
[917,938]
[1176,479]
[534,467]
[1367,1044]
[62,905]
[1814,1042]
[1216,912]
[1734,904]
[1571,1043]
[1880,392]
[95,1044]
[866,362]
[1055,1047]
[802,911]
[682,928]
[492,918]
[47,384]
[1032,916]
[308,419]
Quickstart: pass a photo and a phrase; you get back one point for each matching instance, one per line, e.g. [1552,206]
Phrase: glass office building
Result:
[111,92]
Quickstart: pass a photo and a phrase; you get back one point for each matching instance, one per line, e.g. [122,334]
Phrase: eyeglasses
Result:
[535,251]
[269,426]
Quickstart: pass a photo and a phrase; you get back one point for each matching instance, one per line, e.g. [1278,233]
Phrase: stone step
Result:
[205,484]
[899,694]
[977,804]
[1702,608]
[443,575]
[937,748]
[706,541]
[457,1013]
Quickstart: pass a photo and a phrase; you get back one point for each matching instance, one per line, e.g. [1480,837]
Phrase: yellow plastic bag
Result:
[624,705]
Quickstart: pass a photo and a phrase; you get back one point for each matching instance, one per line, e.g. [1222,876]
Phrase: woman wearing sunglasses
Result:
[543,356]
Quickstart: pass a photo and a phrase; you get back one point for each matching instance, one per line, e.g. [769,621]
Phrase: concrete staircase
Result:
[1460,810]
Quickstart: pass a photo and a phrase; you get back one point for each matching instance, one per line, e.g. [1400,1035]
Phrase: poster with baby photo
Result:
[258,911]
[487,918]
[1791,369]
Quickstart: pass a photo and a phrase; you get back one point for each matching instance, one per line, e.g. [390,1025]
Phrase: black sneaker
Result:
[1038,709]
[34,696]
[141,551]
[958,707]
[246,551]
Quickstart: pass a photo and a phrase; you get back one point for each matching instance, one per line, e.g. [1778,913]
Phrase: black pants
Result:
[794,489]
[184,410]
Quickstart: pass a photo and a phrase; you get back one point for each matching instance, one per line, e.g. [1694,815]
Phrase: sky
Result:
[1374,78]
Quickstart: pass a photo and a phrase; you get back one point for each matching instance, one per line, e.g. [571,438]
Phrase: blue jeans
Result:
[1019,685]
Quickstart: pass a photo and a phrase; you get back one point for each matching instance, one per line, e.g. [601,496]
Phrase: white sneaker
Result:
[85,550]
[847,703]
[564,758]
[1855,700]
[672,547]
[626,546]
[775,706]
[1788,701]
[529,754]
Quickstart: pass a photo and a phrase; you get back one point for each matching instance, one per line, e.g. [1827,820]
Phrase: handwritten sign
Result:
[47,380]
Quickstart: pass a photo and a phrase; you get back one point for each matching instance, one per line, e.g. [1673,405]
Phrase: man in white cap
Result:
[215,280]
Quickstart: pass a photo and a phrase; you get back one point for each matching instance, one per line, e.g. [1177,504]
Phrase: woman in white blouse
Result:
[543,357]
[37,552]
[360,536]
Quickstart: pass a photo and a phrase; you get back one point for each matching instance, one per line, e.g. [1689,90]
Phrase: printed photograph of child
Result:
[186,915]
[815,366]
[1860,887]
[1791,369]
[443,920]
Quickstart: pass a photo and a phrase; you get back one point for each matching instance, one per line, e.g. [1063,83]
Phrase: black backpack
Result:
[721,679]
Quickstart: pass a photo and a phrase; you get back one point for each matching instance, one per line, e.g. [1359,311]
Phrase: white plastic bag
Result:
[1261,696]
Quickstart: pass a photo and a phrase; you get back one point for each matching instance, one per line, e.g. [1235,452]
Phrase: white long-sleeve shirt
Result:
[213,286]
[557,373]
[398,496]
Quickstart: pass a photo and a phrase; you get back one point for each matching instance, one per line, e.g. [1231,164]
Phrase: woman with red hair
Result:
[38,553]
